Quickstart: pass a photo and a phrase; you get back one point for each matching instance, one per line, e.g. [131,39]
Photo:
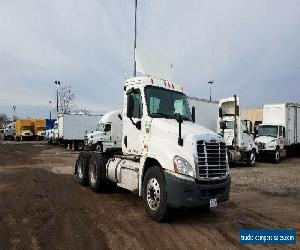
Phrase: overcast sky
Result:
[250,48]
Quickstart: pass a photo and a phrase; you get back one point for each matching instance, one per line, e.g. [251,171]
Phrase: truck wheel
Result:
[82,168]
[276,156]
[154,194]
[80,146]
[99,147]
[252,158]
[97,172]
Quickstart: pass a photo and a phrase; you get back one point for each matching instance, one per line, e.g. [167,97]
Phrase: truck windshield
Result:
[100,127]
[164,103]
[267,131]
[26,128]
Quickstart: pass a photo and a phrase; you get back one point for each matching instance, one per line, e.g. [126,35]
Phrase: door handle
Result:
[125,141]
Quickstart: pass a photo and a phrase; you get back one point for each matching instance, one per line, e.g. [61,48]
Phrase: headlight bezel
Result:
[182,166]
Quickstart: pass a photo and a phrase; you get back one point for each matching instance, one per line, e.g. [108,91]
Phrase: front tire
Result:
[276,156]
[252,158]
[154,194]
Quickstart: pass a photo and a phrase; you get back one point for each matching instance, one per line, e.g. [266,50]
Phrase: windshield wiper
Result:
[163,115]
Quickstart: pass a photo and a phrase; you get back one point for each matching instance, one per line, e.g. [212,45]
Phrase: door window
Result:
[137,104]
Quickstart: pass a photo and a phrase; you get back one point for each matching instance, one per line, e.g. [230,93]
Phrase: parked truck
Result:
[166,158]
[280,130]
[24,130]
[237,132]
[108,133]
[39,128]
[51,135]
[9,131]
[72,129]
[220,117]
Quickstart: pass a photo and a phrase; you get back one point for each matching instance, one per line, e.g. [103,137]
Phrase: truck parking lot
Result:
[42,206]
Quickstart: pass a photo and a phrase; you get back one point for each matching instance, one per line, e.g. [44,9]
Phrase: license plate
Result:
[213,203]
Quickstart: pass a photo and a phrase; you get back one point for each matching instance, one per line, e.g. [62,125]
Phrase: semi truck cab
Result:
[237,132]
[166,158]
[108,133]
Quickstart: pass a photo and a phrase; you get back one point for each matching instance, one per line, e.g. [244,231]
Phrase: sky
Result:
[249,48]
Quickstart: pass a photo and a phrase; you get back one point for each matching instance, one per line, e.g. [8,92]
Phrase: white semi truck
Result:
[213,115]
[237,132]
[72,129]
[108,133]
[166,158]
[279,131]
[10,131]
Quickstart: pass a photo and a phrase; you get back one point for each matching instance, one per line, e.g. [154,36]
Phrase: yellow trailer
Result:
[39,128]
[24,130]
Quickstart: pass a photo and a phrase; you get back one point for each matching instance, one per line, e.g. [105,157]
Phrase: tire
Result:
[97,172]
[276,156]
[252,158]
[82,168]
[99,147]
[154,194]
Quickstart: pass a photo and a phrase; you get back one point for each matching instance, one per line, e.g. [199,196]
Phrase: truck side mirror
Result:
[130,106]
[223,125]
[220,112]
[237,110]
[193,115]
[179,119]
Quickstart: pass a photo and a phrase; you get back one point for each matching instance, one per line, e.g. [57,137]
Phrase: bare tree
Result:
[66,99]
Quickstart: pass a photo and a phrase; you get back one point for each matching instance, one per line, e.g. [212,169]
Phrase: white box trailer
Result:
[280,129]
[72,128]
[206,112]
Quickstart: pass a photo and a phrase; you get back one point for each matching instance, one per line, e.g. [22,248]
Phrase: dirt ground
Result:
[42,207]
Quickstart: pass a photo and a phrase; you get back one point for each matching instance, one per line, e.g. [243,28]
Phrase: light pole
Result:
[14,108]
[210,82]
[134,53]
[57,84]
[50,109]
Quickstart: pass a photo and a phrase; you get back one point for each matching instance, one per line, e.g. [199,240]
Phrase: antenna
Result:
[135,29]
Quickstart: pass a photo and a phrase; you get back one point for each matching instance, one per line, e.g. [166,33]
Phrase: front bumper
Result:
[184,193]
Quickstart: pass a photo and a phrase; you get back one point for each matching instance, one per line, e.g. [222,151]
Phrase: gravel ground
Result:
[43,207]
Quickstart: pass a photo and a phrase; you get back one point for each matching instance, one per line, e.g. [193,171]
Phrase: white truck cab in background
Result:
[166,158]
[279,131]
[9,131]
[108,133]
[236,131]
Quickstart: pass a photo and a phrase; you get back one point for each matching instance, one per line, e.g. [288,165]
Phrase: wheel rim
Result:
[80,170]
[153,194]
[252,158]
[93,173]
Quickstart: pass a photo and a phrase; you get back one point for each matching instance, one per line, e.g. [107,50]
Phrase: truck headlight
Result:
[181,166]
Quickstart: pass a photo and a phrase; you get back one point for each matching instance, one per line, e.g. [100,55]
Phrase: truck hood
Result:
[264,139]
[189,130]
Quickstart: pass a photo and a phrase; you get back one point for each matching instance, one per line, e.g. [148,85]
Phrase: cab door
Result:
[132,142]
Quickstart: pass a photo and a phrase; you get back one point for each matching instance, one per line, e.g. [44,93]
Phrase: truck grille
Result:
[211,159]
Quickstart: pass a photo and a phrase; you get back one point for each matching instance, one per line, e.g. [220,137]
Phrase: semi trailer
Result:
[108,133]
[279,131]
[72,129]
[24,130]
[237,132]
[165,158]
